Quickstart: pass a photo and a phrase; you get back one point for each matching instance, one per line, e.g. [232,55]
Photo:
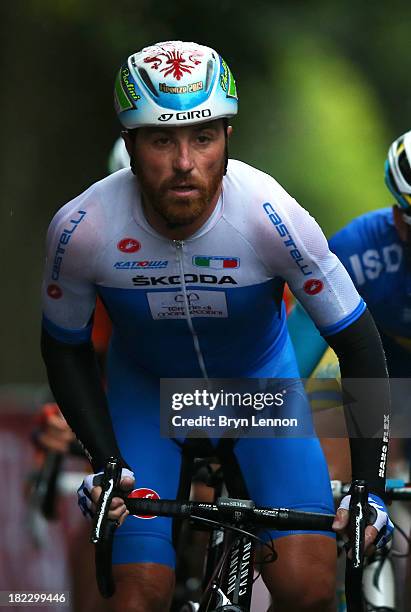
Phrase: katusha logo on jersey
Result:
[144,493]
[128,245]
[155,264]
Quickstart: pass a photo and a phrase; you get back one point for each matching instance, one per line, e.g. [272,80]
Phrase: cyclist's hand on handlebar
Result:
[90,491]
[380,528]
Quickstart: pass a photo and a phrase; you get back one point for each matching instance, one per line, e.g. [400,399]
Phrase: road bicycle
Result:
[236,526]
[378,583]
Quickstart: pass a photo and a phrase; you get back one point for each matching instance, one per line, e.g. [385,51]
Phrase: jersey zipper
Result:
[178,244]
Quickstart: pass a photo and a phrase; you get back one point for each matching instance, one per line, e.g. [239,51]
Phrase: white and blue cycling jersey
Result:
[210,305]
[212,302]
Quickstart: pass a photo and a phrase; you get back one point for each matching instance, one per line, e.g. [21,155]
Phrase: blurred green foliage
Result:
[322,90]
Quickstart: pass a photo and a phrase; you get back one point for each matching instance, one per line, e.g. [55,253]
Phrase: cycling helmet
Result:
[118,158]
[174,83]
[398,171]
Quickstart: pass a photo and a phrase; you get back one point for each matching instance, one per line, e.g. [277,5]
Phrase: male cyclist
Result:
[185,219]
[376,251]
[375,248]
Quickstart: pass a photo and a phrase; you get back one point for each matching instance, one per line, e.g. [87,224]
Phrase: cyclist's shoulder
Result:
[95,205]
[255,200]
[250,181]
[269,218]
[365,230]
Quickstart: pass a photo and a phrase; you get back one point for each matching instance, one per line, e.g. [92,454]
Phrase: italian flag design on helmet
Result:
[174,83]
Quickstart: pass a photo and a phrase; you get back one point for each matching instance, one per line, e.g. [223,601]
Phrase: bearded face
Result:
[180,170]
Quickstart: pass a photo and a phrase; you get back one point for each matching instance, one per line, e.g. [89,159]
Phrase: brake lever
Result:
[102,526]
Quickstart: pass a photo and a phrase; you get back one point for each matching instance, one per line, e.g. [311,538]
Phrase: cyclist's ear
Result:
[129,139]
[229,131]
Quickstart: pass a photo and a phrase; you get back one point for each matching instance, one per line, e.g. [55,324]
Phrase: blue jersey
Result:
[374,256]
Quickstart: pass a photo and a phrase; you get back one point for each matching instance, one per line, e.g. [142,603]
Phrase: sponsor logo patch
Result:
[313,286]
[216,262]
[64,240]
[129,245]
[287,239]
[137,265]
[184,115]
[144,493]
[125,92]
[181,89]
[189,279]
[227,80]
[168,305]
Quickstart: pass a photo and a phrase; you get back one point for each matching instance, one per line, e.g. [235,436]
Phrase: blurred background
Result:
[323,92]
[323,89]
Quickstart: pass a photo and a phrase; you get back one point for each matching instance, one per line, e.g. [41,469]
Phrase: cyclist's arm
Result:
[68,298]
[323,286]
[361,355]
[75,381]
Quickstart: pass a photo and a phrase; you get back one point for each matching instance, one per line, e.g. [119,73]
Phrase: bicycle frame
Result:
[232,584]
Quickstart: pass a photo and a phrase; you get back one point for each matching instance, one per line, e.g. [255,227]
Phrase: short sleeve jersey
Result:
[215,298]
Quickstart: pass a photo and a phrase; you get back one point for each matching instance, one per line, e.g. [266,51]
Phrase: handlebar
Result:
[225,511]
[229,512]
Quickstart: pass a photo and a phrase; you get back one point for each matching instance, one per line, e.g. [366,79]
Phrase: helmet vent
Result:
[404,166]
[209,74]
[147,81]
[399,143]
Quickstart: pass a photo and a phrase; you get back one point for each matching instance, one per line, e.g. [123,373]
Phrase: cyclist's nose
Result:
[183,159]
